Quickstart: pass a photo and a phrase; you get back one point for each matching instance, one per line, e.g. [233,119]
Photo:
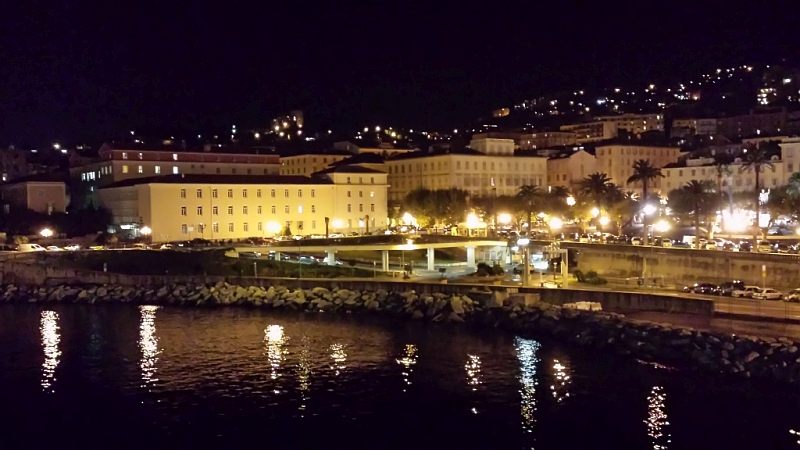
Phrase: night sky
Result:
[89,70]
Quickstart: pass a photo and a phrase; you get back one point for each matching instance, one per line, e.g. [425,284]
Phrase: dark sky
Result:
[76,69]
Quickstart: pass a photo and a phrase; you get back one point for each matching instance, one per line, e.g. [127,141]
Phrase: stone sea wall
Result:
[775,359]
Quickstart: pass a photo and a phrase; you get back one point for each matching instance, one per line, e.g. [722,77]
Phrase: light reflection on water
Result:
[51,337]
[148,343]
[407,361]
[526,353]
[339,357]
[303,374]
[561,380]
[657,419]
[274,340]
[473,368]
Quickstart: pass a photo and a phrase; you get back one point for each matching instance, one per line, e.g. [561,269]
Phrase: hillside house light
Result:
[47,232]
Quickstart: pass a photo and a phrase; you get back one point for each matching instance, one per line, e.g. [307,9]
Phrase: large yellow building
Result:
[309,163]
[475,172]
[616,160]
[215,207]
[570,167]
[636,123]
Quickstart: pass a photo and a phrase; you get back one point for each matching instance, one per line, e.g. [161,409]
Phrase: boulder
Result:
[751,356]
[457,305]
[417,314]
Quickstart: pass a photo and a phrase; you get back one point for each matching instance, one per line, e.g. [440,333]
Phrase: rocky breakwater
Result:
[747,356]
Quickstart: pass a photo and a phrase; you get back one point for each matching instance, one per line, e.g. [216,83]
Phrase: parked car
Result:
[745,246]
[584,239]
[284,257]
[764,247]
[72,247]
[781,248]
[747,292]
[680,244]
[728,287]
[709,245]
[793,296]
[53,248]
[636,241]
[250,255]
[307,260]
[139,246]
[662,242]
[30,248]
[730,247]
[572,237]
[701,288]
[336,262]
[166,247]
[768,294]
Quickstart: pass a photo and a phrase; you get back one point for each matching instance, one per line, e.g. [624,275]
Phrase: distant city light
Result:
[377,129]
[258,136]
[57,146]
[595,212]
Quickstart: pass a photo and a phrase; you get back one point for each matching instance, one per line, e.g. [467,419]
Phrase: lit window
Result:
[174,156]
[372,193]
[175,170]
[124,170]
[300,209]
[141,169]
[158,169]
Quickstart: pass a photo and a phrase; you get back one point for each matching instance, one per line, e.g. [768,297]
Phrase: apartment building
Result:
[180,207]
[636,123]
[616,160]
[386,150]
[790,154]
[592,131]
[478,173]
[706,127]
[569,167]
[546,139]
[309,163]
[490,145]
[767,121]
[678,174]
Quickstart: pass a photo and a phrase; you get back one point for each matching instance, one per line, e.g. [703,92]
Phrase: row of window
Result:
[485,165]
[712,171]
[273,209]
[107,170]
[272,193]
[201,228]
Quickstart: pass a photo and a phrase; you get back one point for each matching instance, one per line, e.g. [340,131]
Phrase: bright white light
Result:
[571,201]
[46,232]
[523,241]
[273,227]
[258,135]
[57,146]
[409,219]
[337,223]
[556,223]
[595,212]
[661,226]
[735,222]
[377,129]
[472,220]
[145,230]
[649,209]
[504,218]
[604,221]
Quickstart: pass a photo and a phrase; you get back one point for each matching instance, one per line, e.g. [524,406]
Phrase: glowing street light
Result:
[258,135]
[595,211]
[273,227]
[661,226]
[649,209]
[337,223]
[472,221]
[408,219]
[145,230]
[556,223]
[571,201]
[47,232]
[504,218]
[604,221]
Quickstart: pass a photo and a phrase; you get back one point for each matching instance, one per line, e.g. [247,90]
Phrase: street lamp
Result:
[649,209]
[604,221]
[337,223]
[556,223]
[273,227]
[595,211]
[570,201]
[504,218]
[472,222]
[47,232]
[145,230]
[661,226]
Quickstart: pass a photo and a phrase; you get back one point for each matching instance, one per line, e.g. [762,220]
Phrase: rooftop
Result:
[50,177]
[347,169]
[361,158]
[218,179]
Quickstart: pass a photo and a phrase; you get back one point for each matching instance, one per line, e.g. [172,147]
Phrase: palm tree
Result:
[619,205]
[528,195]
[643,172]
[559,192]
[793,186]
[722,167]
[595,186]
[756,159]
[698,192]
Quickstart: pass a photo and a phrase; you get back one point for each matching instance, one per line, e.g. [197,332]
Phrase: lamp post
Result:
[327,224]
[526,263]
[146,232]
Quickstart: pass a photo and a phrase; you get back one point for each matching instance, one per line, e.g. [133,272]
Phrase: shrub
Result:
[591,274]
[579,276]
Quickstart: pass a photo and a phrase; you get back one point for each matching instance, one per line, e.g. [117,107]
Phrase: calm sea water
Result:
[145,377]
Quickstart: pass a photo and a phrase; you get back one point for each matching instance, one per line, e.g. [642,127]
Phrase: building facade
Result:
[567,169]
[616,160]
[492,145]
[592,131]
[41,196]
[636,123]
[677,175]
[182,207]
[477,173]
[545,139]
[309,163]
